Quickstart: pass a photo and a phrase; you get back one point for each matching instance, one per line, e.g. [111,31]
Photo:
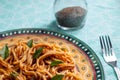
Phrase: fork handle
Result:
[117,70]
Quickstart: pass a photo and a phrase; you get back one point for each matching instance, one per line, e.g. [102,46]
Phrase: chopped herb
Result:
[37,53]
[54,63]
[4,52]
[63,49]
[30,43]
[14,74]
[57,77]
[83,60]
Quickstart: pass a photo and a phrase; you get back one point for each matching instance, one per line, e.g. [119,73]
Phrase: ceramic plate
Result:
[93,59]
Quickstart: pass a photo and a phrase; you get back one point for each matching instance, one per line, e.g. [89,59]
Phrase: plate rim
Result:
[7,33]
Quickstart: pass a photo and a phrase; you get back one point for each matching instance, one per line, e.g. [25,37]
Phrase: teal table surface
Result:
[103,19]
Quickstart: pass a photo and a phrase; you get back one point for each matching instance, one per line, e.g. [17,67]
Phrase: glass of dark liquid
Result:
[70,14]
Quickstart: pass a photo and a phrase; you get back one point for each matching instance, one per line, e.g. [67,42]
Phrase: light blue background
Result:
[103,18]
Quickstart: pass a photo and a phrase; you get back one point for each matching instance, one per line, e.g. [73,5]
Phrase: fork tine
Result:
[110,42]
[101,42]
[108,45]
[103,47]
[111,49]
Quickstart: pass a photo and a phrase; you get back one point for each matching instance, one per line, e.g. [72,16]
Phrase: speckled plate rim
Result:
[83,46]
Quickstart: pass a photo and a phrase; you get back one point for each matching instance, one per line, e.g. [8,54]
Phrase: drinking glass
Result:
[70,14]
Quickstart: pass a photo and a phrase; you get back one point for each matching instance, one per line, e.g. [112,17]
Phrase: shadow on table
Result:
[53,26]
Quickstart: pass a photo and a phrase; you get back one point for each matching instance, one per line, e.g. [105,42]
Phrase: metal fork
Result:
[108,53]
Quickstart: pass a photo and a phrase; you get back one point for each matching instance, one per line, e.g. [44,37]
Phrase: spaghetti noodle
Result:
[39,62]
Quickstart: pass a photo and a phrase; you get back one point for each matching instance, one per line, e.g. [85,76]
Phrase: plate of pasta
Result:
[41,54]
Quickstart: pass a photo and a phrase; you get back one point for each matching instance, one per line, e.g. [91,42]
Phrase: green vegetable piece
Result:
[14,74]
[4,52]
[30,43]
[37,53]
[54,63]
[57,77]
[63,49]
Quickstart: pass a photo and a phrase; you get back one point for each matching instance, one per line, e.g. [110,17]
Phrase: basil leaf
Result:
[30,43]
[54,63]
[4,52]
[57,77]
[14,74]
[37,53]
